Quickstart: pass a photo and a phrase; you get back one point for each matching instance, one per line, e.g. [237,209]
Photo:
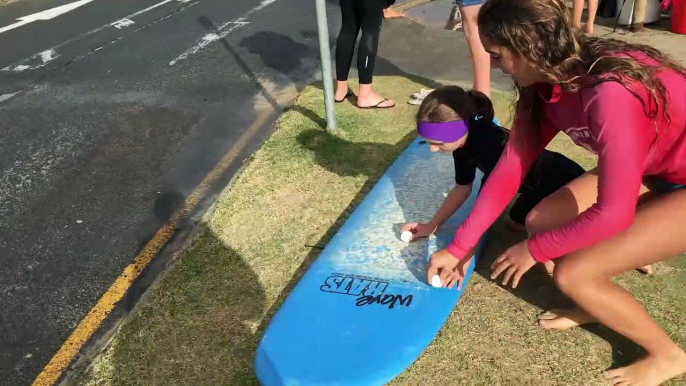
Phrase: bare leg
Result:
[585,276]
[646,269]
[341,89]
[577,11]
[639,15]
[481,61]
[390,13]
[555,210]
[558,209]
[368,97]
[592,10]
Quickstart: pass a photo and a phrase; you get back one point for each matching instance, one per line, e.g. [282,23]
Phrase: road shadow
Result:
[198,329]
[292,60]
[296,61]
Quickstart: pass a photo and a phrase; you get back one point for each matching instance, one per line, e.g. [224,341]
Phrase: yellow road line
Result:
[90,324]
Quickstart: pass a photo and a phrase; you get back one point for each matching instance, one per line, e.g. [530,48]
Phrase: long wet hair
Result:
[541,32]
[452,103]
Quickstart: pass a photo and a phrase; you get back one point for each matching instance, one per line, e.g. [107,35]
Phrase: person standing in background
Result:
[481,62]
[365,15]
[578,10]
[639,15]
[464,15]
[389,12]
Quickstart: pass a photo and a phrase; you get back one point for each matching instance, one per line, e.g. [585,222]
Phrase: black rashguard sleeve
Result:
[465,170]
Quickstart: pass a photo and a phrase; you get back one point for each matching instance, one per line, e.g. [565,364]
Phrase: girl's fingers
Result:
[451,281]
[499,268]
[517,277]
[408,227]
[509,273]
[459,283]
[499,260]
[433,270]
[444,276]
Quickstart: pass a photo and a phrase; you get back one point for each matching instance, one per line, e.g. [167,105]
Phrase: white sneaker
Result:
[422,93]
[454,20]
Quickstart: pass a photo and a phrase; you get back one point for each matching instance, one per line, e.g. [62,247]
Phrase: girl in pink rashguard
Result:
[627,104]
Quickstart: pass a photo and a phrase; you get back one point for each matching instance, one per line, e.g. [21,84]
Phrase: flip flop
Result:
[348,95]
[377,106]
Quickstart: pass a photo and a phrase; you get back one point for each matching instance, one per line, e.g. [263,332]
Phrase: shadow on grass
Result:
[345,159]
[539,290]
[194,332]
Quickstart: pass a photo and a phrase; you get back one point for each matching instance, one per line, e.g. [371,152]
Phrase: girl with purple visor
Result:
[460,122]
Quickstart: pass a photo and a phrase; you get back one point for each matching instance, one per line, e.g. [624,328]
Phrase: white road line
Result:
[19,66]
[36,61]
[220,33]
[119,24]
[149,8]
[209,38]
[45,15]
[263,4]
[5,97]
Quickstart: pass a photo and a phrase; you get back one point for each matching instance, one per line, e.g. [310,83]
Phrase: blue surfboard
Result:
[364,311]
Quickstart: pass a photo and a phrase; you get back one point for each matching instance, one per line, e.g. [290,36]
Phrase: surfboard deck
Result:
[364,311]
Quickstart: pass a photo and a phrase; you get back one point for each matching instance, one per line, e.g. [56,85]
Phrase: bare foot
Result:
[649,371]
[587,28]
[560,319]
[342,91]
[646,269]
[374,100]
[390,13]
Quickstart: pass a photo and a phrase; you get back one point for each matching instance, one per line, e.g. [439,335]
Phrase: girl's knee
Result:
[572,275]
[535,221]
[568,277]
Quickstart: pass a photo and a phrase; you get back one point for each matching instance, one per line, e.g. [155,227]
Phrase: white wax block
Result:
[406,236]
[436,281]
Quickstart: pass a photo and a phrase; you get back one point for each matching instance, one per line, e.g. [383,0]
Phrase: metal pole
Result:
[325,54]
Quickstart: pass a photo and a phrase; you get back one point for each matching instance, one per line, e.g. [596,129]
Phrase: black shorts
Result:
[660,186]
[551,172]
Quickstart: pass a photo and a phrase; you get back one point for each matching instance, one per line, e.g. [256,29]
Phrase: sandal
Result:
[348,95]
[378,105]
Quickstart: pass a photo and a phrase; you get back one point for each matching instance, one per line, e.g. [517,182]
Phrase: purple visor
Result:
[444,131]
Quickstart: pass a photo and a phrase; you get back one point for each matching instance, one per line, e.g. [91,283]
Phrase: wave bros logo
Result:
[367,290]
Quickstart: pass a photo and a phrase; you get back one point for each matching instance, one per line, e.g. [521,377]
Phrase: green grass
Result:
[202,324]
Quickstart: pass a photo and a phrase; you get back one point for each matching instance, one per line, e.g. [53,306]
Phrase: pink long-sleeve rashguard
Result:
[610,121]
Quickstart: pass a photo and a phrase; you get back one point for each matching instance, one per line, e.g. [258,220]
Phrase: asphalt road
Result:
[105,131]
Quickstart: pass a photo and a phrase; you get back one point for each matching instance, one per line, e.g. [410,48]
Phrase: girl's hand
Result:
[459,273]
[443,264]
[514,262]
[419,230]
